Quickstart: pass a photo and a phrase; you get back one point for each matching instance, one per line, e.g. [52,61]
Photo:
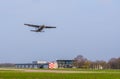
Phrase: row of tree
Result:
[82,62]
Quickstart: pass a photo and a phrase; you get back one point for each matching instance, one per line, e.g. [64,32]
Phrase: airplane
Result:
[39,28]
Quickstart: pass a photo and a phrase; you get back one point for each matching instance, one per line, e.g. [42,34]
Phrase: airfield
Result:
[58,74]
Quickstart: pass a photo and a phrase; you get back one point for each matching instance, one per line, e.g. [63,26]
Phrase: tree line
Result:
[82,62]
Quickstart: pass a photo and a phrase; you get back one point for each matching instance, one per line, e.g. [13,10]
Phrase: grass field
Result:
[59,74]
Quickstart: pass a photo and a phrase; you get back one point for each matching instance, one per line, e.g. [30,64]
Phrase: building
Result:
[39,62]
[65,63]
[34,64]
[46,65]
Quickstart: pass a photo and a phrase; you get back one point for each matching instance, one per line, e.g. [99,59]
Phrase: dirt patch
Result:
[52,71]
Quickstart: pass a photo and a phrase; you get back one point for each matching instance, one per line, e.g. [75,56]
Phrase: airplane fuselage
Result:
[39,28]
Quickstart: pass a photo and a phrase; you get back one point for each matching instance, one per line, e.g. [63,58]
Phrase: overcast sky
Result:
[84,27]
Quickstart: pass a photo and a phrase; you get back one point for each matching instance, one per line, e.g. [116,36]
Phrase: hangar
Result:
[34,64]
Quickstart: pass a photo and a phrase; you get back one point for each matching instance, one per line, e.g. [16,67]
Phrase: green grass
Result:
[108,74]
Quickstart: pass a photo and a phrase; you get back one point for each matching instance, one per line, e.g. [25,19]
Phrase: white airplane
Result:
[39,28]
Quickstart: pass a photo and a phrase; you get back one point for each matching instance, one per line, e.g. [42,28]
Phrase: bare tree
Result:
[114,63]
[99,64]
[81,62]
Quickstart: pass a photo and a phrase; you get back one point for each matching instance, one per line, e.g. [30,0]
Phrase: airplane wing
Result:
[31,25]
[49,27]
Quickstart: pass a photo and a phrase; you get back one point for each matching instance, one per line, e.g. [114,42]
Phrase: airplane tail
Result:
[36,31]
